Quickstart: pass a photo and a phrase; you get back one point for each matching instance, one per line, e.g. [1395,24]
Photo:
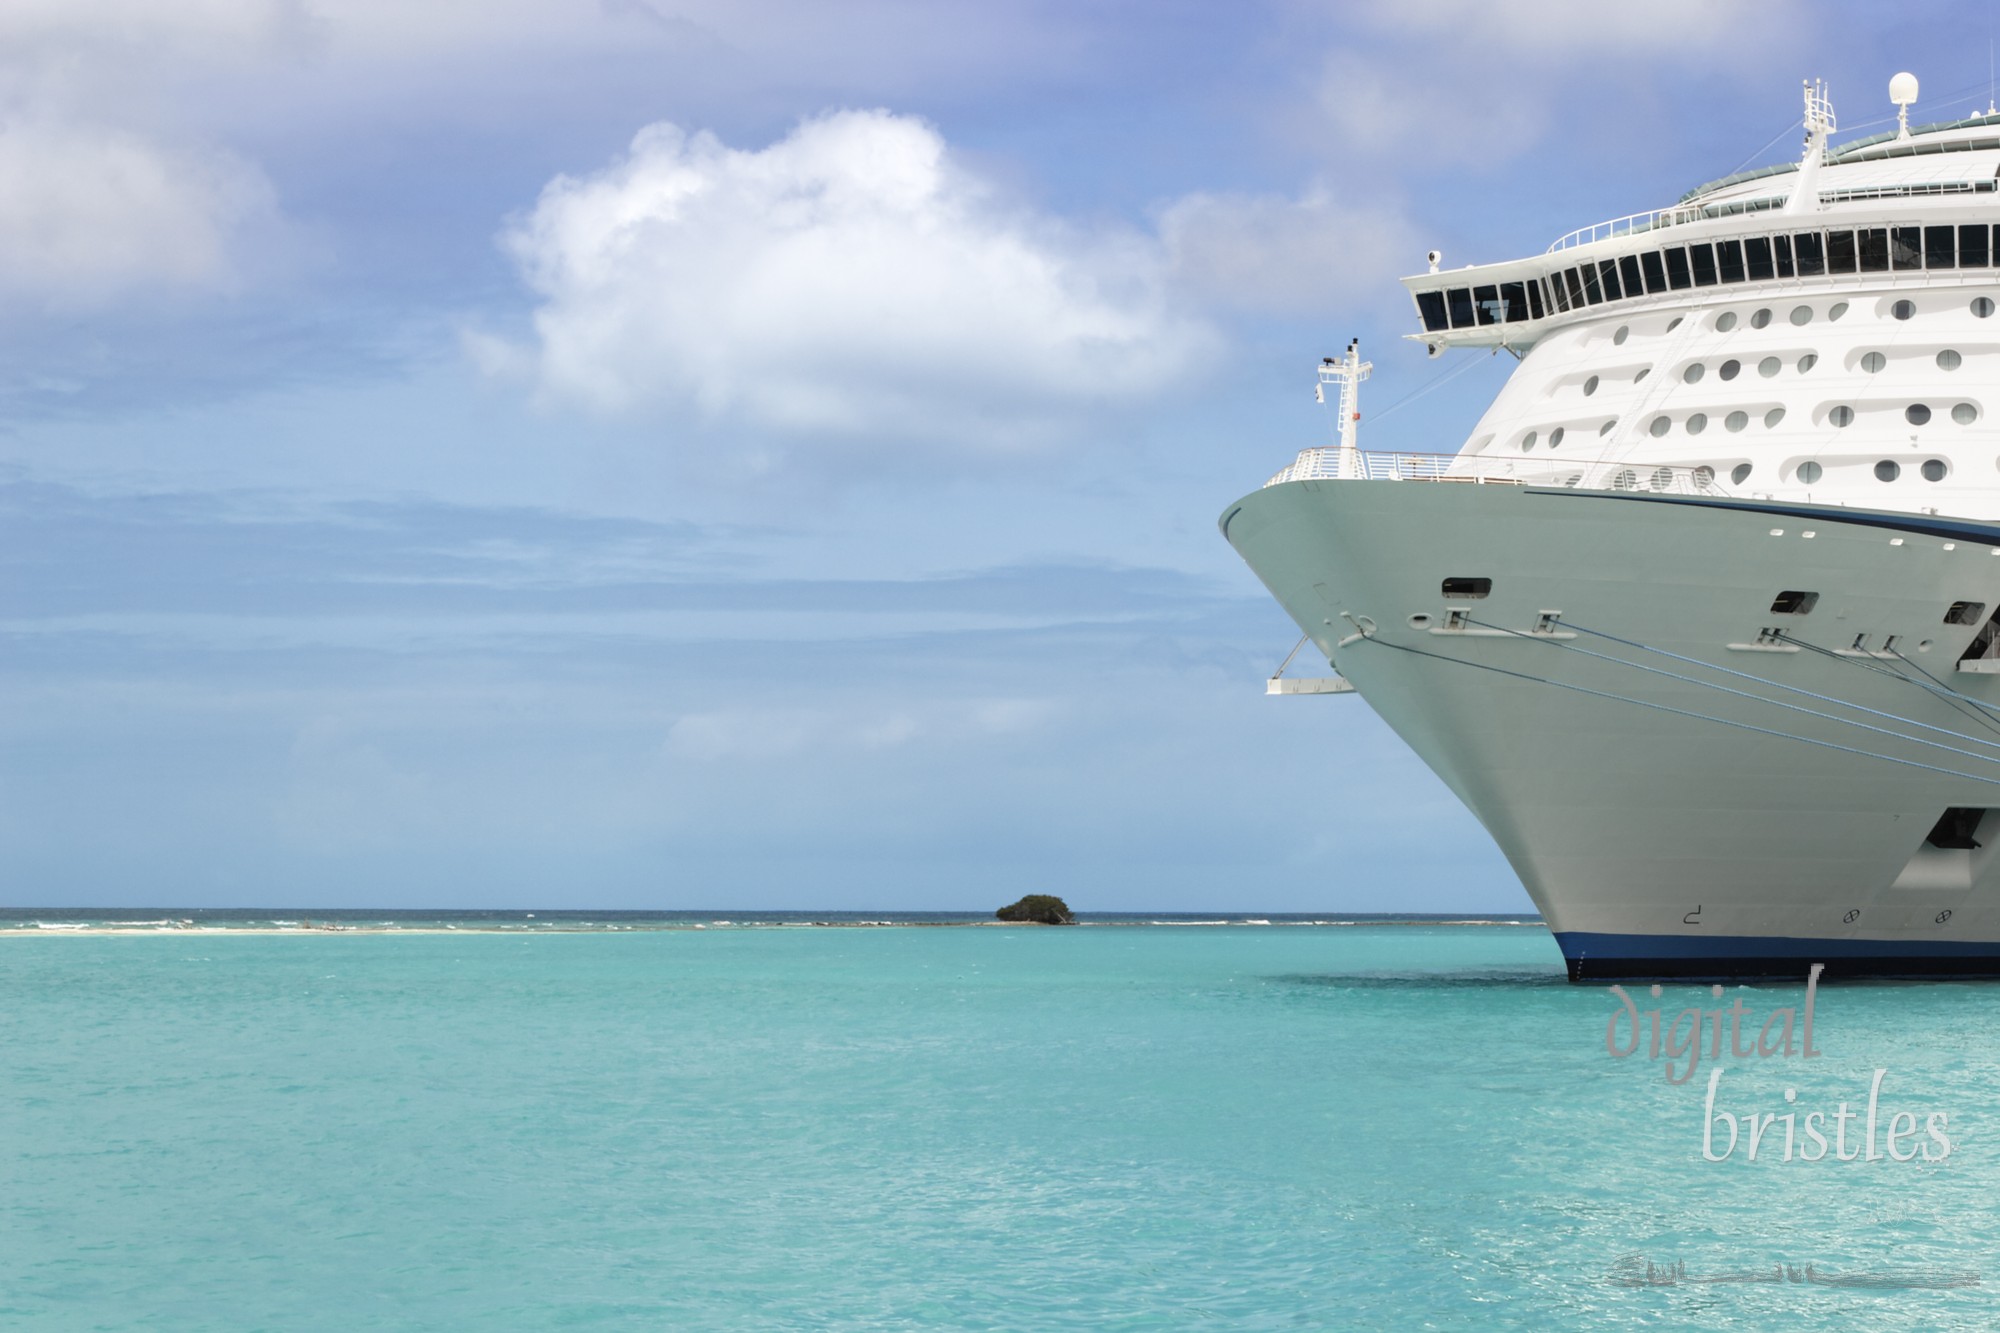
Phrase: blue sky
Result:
[636,454]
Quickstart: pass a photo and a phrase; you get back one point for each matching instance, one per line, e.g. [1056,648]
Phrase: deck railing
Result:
[1668,217]
[1328,464]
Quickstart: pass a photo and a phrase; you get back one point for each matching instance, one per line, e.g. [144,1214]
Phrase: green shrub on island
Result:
[1041,908]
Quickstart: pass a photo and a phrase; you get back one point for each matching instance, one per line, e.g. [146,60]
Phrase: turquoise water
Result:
[1101,1127]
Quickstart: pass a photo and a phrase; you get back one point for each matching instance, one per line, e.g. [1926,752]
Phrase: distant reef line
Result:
[54,924]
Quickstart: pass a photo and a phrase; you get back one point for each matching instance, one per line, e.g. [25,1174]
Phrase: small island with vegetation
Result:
[1043,909]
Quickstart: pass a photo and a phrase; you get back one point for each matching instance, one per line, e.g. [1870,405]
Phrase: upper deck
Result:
[1888,209]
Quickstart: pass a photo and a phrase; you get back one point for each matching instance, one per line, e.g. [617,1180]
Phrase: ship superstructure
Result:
[1705,635]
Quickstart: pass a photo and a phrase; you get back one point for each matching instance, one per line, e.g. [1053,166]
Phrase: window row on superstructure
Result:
[1839,417]
[1711,264]
[1808,472]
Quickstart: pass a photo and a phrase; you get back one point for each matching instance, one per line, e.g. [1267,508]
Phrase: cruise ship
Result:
[1700,620]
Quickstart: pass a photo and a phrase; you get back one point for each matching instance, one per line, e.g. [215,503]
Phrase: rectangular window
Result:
[1729,259]
[1972,251]
[1940,247]
[1810,252]
[1576,301]
[1607,273]
[1558,293]
[1467,587]
[1794,603]
[1628,269]
[1702,259]
[1460,301]
[1677,270]
[1840,252]
[1956,830]
[1872,244]
[1483,301]
[1431,306]
[1592,292]
[1906,247]
[1513,301]
[1656,273]
[1781,251]
[1757,258]
[1535,310]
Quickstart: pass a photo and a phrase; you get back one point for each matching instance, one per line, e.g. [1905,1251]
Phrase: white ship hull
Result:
[1688,781]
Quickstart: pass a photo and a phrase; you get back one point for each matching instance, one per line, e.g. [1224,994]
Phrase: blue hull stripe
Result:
[1928,525]
[1589,944]
[1595,957]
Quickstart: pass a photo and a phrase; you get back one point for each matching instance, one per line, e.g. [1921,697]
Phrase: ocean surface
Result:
[623,1122]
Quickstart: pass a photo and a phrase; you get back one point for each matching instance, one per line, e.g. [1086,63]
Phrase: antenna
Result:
[1903,91]
[1819,123]
[1347,372]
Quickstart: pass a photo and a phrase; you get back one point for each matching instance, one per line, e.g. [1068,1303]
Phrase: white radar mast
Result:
[1903,91]
[1819,124]
[1348,372]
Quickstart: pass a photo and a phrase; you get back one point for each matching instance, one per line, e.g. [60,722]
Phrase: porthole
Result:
[1555,437]
[1773,417]
[1769,366]
[1624,332]
[1606,428]
[1836,310]
[1965,414]
[1725,321]
[1934,469]
[1729,370]
[1528,441]
[1590,386]
[1673,323]
[1949,360]
[1802,315]
[1739,474]
[1888,470]
[1626,480]
[1808,361]
[1905,309]
[1660,427]
[1662,478]
[1982,306]
[1917,414]
[1761,320]
[1643,372]
[1810,472]
[1704,475]
[1694,373]
[1735,421]
[1873,362]
[1841,416]
[1697,423]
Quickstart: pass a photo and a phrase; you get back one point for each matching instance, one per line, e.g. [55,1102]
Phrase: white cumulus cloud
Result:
[852,277]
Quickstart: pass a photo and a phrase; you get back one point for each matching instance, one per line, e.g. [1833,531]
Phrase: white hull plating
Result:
[1687,780]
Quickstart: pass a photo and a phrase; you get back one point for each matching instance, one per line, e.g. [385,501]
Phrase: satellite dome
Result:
[1903,89]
